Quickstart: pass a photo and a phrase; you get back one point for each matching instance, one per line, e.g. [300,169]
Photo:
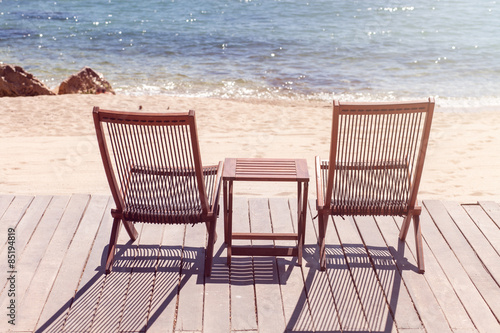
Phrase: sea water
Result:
[290,49]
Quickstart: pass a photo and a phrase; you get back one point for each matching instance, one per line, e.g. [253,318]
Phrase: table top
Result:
[265,169]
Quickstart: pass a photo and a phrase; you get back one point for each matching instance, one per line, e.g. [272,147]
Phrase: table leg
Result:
[301,215]
[304,211]
[226,209]
[228,219]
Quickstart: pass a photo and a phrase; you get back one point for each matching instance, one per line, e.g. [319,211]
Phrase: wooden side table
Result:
[270,170]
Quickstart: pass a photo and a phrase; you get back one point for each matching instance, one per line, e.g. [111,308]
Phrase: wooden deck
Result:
[157,285]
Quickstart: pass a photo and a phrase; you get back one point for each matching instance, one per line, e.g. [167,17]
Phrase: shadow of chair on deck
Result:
[99,304]
[352,295]
[330,302]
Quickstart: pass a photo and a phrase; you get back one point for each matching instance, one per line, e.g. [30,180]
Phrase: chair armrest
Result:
[417,210]
[320,203]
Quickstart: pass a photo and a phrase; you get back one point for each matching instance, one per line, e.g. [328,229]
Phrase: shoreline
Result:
[49,145]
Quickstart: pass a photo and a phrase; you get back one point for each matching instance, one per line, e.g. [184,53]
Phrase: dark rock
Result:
[15,81]
[86,81]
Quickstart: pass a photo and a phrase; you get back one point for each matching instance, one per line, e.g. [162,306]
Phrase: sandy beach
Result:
[48,144]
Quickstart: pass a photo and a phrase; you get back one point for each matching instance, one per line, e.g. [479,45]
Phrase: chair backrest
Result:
[136,148]
[376,156]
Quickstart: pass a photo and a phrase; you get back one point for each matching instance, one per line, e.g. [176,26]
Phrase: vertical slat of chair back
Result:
[141,147]
[376,156]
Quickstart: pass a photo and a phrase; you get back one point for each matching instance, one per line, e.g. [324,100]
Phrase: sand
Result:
[48,144]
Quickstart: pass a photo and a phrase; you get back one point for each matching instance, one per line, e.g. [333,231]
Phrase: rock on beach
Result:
[86,81]
[15,81]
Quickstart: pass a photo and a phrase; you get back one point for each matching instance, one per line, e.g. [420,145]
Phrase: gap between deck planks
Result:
[158,285]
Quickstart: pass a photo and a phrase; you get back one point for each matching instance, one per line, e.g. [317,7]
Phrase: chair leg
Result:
[132,232]
[322,225]
[208,230]
[209,252]
[112,244]
[405,227]
[419,243]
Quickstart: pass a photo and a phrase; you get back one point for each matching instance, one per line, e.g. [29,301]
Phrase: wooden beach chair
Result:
[376,158]
[153,166]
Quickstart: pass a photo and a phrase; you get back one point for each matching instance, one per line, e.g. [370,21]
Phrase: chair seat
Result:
[368,190]
[175,204]
[368,207]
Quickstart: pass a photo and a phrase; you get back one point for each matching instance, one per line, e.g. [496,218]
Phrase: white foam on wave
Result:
[232,90]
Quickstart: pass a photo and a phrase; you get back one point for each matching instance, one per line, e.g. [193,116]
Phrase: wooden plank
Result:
[390,279]
[468,256]
[63,291]
[23,231]
[35,250]
[243,307]
[260,222]
[12,212]
[39,289]
[350,310]
[12,209]
[80,312]
[166,284]
[297,315]
[24,214]
[111,302]
[267,290]
[216,316]
[191,291]
[493,210]
[474,224]
[138,300]
[486,224]
[476,307]
[456,316]
[30,221]
[319,295]
[370,291]
[422,295]
[5,200]
[283,219]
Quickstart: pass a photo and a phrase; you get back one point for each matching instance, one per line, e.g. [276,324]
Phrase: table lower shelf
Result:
[263,250]
[281,251]
[264,236]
